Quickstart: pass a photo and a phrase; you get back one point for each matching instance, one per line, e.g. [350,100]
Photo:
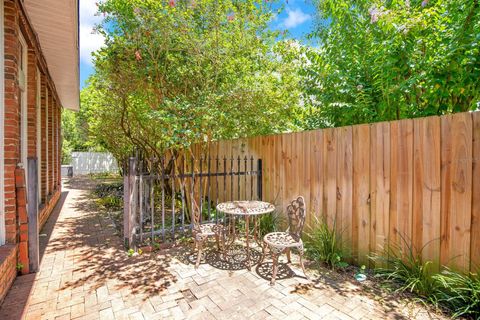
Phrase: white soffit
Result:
[56,24]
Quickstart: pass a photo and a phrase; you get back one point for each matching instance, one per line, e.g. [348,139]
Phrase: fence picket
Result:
[457,185]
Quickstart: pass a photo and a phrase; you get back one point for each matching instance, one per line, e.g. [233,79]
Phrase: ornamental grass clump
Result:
[404,268]
[324,244]
[460,293]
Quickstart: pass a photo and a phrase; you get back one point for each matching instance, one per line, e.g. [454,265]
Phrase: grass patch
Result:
[405,269]
[460,293]
[324,244]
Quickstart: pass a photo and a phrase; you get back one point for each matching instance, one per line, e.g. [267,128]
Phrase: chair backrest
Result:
[296,212]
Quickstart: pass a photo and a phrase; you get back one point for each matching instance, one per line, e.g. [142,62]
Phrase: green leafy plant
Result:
[403,266]
[387,60]
[19,266]
[191,71]
[130,252]
[324,243]
[269,223]
[460,293]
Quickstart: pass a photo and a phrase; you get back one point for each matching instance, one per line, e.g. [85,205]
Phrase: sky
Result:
[297,18]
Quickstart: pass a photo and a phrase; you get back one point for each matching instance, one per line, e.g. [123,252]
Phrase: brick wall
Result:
[16,221]
[8,268]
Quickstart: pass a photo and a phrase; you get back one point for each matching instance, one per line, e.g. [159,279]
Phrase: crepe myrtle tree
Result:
[386,60]
[173,73]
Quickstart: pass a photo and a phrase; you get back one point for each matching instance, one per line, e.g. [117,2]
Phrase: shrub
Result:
[324,244]
[405,268]
[460,293]
[268,223]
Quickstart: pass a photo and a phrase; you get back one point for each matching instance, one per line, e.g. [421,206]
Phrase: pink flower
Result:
[376,13]
[138,56]
[171,3]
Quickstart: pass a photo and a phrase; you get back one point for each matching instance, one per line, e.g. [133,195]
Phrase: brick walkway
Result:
[85,274]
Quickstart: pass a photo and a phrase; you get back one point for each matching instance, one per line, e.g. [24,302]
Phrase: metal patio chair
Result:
[280,242]
[202,231]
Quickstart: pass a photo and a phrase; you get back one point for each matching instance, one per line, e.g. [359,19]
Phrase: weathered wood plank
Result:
[401,181]
[344,183]
[426,188]
[361,193]
[330,182]
[456,190]
[305,158]
[380,186]
[475,238]
[32,211]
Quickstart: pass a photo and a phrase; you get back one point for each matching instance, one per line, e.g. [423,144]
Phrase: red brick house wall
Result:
[14,253]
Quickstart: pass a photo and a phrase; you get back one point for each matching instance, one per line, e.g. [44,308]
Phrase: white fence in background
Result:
[93,162]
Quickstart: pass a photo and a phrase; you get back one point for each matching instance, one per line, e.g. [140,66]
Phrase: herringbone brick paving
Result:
[86,274]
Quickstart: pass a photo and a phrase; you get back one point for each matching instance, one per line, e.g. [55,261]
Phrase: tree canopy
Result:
[388,60]
[177,72]
[173,73]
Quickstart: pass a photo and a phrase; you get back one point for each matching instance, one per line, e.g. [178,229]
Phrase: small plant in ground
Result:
[268,223]
[130,252]
[405,268]
[460,293]
[19,266]
[323,243]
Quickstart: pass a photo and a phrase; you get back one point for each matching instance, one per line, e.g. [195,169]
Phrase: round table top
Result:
[245,207]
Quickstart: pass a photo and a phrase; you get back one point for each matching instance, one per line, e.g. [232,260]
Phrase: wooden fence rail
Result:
[415,179]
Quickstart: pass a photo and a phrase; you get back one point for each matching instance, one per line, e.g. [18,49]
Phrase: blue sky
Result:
[297,18]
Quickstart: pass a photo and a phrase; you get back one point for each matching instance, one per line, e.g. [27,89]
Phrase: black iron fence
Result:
[158,193]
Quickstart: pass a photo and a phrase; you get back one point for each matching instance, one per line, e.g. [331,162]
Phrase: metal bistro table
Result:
[246,209]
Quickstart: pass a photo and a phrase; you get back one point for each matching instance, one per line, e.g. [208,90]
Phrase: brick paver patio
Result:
[85,274]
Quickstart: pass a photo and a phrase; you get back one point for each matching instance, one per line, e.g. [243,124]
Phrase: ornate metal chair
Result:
[279,242]
[201,233]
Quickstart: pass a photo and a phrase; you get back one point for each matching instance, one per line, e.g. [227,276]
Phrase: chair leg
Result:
[199,254]
[289,260]
[301,262]
[275,266]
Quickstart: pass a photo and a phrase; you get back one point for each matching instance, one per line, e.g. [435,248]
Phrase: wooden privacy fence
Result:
[415,179]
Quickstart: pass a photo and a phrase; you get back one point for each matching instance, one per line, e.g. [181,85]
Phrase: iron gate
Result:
[158,193]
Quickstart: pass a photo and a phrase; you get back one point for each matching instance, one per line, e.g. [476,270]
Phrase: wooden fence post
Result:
[32,207]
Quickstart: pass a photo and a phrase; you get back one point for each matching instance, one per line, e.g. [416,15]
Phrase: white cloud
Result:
[295,18]
[89,41]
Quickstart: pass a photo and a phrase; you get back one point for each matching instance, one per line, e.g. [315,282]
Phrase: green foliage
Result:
[268,223]
[177,72]
[385,60]
[76,130]
[404,267]
[19,266]
[110,195]
[460,293]
[323,243]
